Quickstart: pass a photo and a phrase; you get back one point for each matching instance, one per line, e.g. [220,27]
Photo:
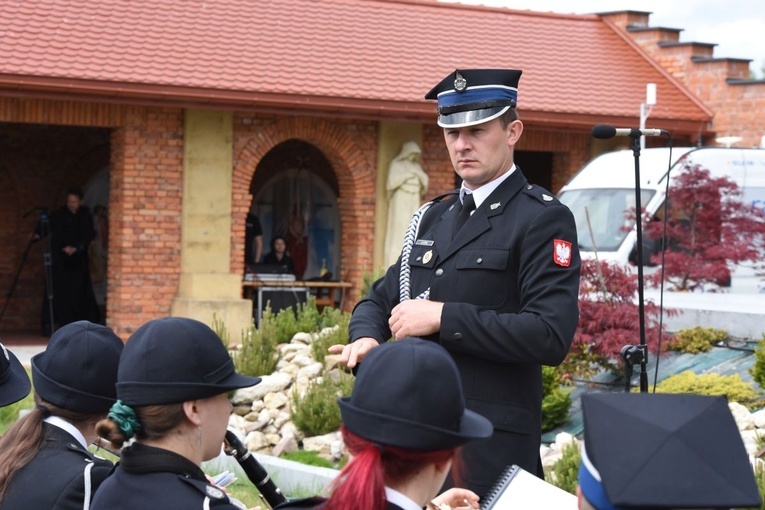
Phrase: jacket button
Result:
[479,260]
[439,271]
[418,259]
[458,336]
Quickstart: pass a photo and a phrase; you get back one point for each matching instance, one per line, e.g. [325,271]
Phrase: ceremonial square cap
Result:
[663,451]
[468,97]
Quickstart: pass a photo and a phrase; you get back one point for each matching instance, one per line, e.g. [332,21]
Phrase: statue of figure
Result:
[407,184]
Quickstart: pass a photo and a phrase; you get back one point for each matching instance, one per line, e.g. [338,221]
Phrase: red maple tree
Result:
[608,314]
[709,231]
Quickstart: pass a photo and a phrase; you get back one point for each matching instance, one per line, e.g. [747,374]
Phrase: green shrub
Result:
[565,472]
[331,318]
[317,413]
[258,355]
[695,340]
[758,369]
[556,401]
[220,329]
[368,279]
[710,384]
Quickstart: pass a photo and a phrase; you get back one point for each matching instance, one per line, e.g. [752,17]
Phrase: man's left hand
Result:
[415,317]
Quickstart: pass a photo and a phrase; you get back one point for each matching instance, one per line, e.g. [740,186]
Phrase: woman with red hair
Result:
[403,425]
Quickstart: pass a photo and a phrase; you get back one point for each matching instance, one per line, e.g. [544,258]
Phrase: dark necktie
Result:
[468,205]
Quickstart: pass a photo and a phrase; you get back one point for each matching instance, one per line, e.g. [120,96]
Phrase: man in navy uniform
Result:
[490,272]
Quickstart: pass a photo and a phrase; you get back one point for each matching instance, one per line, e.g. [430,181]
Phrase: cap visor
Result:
[17,384]
[471,117]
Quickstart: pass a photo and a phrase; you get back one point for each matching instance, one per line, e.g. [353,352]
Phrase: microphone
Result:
[604,132]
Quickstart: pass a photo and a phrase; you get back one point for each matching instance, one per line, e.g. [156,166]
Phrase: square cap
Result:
[468,97]
[663,451]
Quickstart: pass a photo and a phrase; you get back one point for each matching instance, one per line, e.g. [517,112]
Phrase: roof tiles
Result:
[378,50]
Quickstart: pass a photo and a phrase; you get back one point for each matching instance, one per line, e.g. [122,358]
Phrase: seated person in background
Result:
[403,425]
[173,383]
[14,381]
[44,457]
[278,254]
[662,451]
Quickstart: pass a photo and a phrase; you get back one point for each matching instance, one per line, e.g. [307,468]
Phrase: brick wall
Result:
[146,202]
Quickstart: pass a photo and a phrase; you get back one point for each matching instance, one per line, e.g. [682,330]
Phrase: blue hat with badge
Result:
[468,97]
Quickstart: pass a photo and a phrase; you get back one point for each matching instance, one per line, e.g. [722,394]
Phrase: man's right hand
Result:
[353,353]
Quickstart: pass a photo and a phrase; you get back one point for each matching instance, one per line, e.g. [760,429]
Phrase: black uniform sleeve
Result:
[370,315]
[542,331]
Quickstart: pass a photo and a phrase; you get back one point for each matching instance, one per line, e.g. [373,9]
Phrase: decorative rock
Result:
[742,416]
[255,441]
[241,410]
[275,400]
[237,422]
[257,406]
[288,444]
[302,338]
[282,419]
[310,371]
[563,439]
[273,438]
[303,360]
[336,448]
[759,419]
[321,444]
[274,382]
[331,361]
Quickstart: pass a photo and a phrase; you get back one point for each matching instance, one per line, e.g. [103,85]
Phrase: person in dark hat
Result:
[403,424]
[174,376]
[662,451]
[489,271]
[44,461]
[14,381]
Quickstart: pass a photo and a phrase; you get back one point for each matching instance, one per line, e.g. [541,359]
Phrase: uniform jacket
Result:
[57,477]
[149,478]
[509,281]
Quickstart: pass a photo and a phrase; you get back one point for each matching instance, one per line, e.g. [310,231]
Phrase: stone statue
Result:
[407,184]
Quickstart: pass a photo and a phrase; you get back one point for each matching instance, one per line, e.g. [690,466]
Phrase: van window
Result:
[607,210]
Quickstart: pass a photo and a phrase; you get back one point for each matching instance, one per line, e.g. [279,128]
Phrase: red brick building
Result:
[186,111]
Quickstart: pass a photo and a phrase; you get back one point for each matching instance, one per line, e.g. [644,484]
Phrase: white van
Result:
[605,188]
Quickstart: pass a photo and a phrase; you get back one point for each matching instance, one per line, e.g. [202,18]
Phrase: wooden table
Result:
[336,290]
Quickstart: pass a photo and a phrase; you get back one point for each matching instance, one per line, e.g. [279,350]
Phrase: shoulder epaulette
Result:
[540,194]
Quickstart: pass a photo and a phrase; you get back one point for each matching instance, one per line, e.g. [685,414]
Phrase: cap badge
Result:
[460,83]
[494,205]
[546,198]
[428,255]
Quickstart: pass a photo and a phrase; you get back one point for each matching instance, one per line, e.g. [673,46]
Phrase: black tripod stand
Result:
[41,231]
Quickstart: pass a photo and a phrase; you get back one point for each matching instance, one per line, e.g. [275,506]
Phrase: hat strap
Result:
[125,418]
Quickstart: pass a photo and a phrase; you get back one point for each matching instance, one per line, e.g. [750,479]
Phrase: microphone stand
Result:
[633,354]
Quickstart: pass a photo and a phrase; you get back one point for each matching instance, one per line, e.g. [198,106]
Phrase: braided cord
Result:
[404,281]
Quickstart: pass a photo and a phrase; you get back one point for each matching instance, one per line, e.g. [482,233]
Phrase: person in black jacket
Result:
[403,425]
[174,377]
[278,255]
[71,231]
[490,272]
[44,461]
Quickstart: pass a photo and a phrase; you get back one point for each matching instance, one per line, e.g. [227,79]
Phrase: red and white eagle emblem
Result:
[562,252]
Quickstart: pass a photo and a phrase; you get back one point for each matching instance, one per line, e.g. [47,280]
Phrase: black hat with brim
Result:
[173,360]
[408,394]
[78,369]
[664,451]
[14,381]
[468,97]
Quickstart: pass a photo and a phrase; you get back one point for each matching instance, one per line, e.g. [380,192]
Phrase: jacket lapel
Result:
[478,223]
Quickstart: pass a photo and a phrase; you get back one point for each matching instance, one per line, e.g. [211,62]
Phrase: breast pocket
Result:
[423,257]
[481,272]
